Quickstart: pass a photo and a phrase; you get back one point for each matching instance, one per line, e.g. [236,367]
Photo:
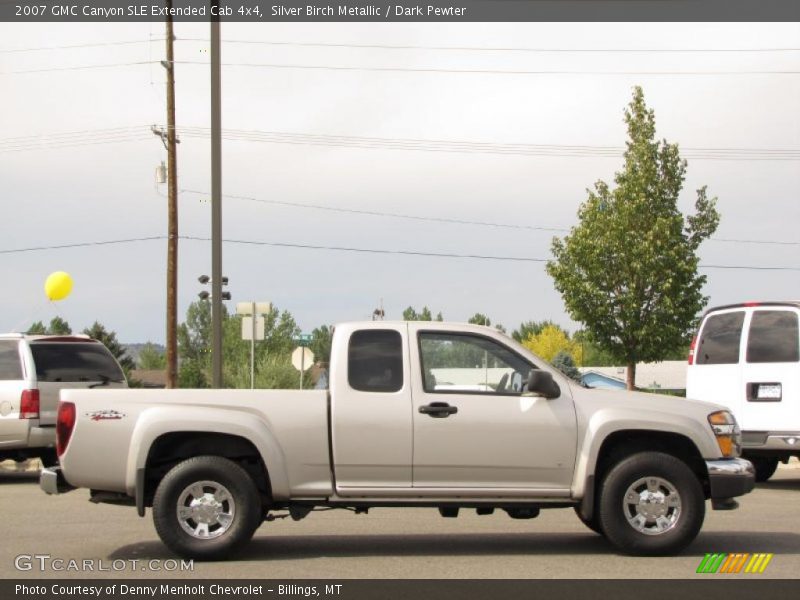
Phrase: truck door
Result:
[771,371]
[473,427]
[371,410]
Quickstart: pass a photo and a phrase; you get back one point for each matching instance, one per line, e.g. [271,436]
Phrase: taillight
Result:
[691,350]
[64,425]
[29,404]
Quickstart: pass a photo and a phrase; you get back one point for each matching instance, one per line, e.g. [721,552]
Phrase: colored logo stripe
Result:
[720,562]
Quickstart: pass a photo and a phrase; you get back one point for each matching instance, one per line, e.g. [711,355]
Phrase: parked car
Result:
[33,370]
[747,358]
[515,435]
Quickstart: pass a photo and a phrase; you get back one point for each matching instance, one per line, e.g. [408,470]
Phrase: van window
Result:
[10,367]
[720,340]
[375,361]
[74,362]
[773,337]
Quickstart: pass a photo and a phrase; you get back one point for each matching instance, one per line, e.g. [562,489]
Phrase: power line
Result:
[73,46]
[135,133]
[81,67]
[482,147]
[494,49]
[374,213]
[351,249]
[480,71]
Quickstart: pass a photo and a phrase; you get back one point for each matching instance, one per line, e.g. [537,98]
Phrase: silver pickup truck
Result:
[418,414]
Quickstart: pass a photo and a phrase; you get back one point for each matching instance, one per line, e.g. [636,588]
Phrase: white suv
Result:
[33,369]
[747,357]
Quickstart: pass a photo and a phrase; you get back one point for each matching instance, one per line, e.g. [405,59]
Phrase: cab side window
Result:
[471,364]
[10,367]
[721,338]
[375,361]
[773,337]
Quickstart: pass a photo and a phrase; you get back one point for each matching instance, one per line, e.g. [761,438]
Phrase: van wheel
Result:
[651,503]
[593,523]
[765,467]
[206,507]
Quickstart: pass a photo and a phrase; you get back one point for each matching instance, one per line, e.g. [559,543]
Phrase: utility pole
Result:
[172,210]
[216,205]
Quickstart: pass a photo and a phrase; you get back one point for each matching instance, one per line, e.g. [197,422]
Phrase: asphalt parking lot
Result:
[387,543]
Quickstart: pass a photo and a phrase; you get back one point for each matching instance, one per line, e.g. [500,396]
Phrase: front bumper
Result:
[52,481]
[730,477]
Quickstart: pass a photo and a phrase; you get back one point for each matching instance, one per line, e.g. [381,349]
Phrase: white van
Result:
[747,357]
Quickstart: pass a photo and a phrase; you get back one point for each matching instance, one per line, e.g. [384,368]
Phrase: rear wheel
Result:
[206,507]
[651,504]
[765,467]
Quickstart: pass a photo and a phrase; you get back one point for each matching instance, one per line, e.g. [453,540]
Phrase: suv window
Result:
[375,361]
[773,337]
[10,367]
[721,338]
[459,363]
[81,361]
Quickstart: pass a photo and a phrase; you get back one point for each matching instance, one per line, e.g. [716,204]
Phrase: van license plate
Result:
[771,391]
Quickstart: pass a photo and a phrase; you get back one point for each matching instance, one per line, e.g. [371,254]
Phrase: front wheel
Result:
[651,504]
[206,507]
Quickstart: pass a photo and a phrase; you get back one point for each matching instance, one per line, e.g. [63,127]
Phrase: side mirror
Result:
[541,383]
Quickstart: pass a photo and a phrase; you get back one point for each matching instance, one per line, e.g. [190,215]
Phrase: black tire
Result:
[765,467]
[229,498]
[48,457]
[593,523]
[651,504]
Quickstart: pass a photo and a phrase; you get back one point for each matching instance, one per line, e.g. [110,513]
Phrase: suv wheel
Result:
[651,504]
[765,467]
[206,507]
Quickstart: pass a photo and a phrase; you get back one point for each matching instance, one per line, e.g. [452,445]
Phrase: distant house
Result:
[150,379]
[667,376]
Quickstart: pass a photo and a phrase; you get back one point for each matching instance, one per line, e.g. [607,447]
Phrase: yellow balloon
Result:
[58,285]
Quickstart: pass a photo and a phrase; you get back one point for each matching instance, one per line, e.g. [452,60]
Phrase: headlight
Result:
[726,429]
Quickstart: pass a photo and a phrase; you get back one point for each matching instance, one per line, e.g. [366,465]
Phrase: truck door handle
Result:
[438,410]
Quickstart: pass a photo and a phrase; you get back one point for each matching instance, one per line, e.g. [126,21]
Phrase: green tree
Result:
[628,270]
[410,314]
[37,328]
[321,339]
[109,339]
[528,329]
[563,362]
[59,326]
[151,358]
[481,319]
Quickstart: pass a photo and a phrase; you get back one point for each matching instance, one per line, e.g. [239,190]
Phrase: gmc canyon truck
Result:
[418,414]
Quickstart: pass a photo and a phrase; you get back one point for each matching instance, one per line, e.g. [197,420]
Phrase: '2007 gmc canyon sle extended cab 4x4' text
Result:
[417,414]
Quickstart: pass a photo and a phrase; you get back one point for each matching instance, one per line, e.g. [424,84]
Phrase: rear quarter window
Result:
[375,361]
[73,362]
[10,366]
[773,337]
[720,339]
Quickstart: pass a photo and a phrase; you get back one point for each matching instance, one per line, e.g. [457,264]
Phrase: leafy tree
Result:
[59,326]
[528,329]
[564,363]
[410,314]
[481,319]
[321,339]
[151,358]
[551,341]
[109,339]
[592,354]
[37,328]
[628,270]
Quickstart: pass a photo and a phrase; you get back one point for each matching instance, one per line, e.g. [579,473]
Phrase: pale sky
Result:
[98,192]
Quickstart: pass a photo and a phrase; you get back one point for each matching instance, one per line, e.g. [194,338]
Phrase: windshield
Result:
[72,362]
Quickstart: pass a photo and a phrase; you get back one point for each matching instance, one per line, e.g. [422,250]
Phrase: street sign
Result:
[304,339]
[302,358]
[246,308]
[247,328]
